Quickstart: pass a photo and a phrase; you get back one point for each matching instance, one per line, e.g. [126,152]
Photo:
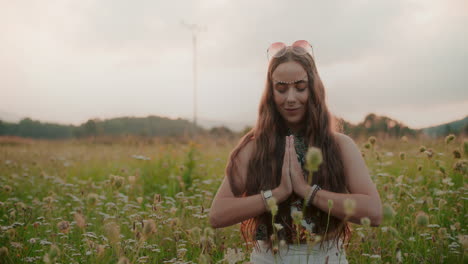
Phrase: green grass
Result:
[44,183]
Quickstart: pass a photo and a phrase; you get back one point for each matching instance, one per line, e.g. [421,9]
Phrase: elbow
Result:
[214,222]
[376,220]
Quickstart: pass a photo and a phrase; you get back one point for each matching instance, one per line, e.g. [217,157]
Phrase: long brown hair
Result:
[265,164]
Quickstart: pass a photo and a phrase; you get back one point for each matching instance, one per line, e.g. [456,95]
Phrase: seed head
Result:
[365,221]
[388,211]
[422,219]
[349,206]
[330,203]
[313,159]
[422,149]
[372,140]
[449,138]
[272,205]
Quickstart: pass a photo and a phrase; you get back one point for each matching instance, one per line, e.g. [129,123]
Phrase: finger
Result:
[286,154]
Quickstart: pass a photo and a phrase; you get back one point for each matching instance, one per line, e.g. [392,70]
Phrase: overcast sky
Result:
[68,61]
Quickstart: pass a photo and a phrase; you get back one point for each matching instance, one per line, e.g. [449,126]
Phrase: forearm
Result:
[230,211]
[365,206]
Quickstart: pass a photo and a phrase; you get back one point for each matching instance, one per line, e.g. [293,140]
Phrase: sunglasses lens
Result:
[302,47]
[276,49]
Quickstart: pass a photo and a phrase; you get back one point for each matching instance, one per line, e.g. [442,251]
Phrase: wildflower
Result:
[404,139]
[456,154]
[422,219]
[463,240]
[116,181]
[429,153]
[297,216]
[139,200]
[112,231]
[419,167]
[422,149]
[51,256]
[233,256]
[272,205]
[7,188]
[461,166]
[449,138]
[156,198]
[442,232]
[365,221]
[398,256]
[367,145]
[149,228]
[330,204]
[402,155]
[313,159]
[92,199]
[442,202]
[349,206]
[124,260]
[388,211]
[131,179]
[278,226]
[63,226]
[3,252]
[80,220]
[372,140]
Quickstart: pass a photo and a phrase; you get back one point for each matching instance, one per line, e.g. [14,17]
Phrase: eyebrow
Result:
[300,81]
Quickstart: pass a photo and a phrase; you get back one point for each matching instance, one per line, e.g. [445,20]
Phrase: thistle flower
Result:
[124,260]
[92,199]
[442,232]
[349,206]
[63,226]
[402,155]
[139,199]
[388,211]
[422,219]
[3,252]
[461,166]
[372,140]
[272,205]
[116,181]
[80,220]
[429,153]
[149,228]
[449,138]
[442,202]
[313,159]
[365,221]
[112,231]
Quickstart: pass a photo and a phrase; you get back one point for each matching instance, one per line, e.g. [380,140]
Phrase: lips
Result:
[292,111]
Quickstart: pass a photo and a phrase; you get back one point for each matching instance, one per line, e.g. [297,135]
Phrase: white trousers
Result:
[298,254]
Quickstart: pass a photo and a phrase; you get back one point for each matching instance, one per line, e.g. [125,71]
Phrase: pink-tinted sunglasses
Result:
[299,47]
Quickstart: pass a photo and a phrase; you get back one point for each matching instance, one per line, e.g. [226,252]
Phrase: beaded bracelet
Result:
[311,194]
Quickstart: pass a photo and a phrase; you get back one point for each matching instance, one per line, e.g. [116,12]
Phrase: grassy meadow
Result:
[147,201]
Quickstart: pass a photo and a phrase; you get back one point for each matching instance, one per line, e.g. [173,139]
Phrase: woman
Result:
[293,116]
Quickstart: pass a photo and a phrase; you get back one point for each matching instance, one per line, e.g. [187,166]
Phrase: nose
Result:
[291,96]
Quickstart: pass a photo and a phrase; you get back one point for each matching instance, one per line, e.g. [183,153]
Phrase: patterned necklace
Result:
[300,146]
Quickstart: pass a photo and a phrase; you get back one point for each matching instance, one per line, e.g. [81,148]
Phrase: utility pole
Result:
[194,28]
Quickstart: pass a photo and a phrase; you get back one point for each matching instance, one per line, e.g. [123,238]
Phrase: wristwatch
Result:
[267,194]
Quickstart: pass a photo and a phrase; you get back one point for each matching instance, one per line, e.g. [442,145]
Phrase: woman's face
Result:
[291,99]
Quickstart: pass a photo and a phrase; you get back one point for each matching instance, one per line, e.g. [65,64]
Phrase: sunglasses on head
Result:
[299,47]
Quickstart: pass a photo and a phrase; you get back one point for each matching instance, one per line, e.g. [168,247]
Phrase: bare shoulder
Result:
[343,139]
